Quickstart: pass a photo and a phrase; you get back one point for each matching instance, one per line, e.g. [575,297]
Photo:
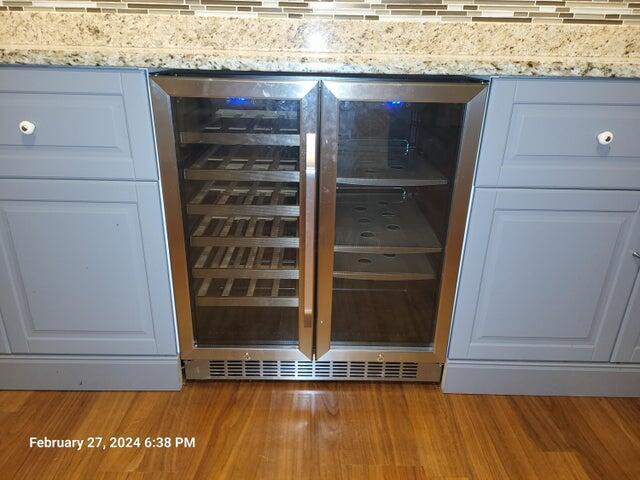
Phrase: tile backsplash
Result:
[612,12]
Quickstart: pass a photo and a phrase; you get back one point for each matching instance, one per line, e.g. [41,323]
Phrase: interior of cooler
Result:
[239,172]
[395,174]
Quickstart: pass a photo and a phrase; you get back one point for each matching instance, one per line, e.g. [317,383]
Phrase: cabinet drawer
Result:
[543,133]
[87,124]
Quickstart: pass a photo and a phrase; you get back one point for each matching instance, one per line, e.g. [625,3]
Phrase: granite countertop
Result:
[324,46]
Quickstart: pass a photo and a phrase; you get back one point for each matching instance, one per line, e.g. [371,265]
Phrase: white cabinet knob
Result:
[26,127]
[605,138]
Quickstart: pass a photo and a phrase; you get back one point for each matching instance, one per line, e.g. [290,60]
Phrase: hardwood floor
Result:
[329,431]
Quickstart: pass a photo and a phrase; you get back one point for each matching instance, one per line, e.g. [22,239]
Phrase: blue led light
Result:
[237,101]
[394,104]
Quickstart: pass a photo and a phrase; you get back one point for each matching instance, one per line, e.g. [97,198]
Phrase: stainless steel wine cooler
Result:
[315,224]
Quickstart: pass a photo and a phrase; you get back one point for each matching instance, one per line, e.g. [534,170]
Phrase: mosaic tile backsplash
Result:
[612,12]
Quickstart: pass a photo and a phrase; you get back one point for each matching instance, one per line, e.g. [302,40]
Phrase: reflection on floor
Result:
[332,431]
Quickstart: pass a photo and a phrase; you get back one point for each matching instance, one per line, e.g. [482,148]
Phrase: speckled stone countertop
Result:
[342,46]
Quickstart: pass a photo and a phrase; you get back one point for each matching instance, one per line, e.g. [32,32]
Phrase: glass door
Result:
[238,173]
[396,167]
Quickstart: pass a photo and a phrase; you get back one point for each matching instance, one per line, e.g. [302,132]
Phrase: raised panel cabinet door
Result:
[546,274]
[83,268]
[628,345]
[76,123]
[544,133]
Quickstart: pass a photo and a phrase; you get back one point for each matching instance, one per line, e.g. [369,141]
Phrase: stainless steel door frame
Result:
[334,91]
[163,88]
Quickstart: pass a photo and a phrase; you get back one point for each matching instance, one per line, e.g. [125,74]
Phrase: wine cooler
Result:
[315,224]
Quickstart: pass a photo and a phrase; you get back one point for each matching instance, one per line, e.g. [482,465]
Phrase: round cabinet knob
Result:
[605,138]
[26,127]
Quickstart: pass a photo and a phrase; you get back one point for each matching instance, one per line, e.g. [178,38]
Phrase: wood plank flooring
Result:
[326,431]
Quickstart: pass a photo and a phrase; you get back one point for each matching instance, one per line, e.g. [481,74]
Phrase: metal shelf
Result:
[245,292]
[382,223]
[248,127]
[253,262]
[241,231]
[239,138]
[256,199]
[416,175]
[385,163]
[391,267]
[238,162]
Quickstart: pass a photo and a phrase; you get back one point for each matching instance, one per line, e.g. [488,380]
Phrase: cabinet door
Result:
[628,345]
[546,274]
[4,341]
[83,268]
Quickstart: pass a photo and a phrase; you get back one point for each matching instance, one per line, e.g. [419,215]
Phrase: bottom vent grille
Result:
[311,370]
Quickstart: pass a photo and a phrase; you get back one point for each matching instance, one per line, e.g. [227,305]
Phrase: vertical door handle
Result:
[309,229]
